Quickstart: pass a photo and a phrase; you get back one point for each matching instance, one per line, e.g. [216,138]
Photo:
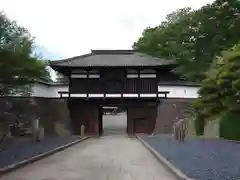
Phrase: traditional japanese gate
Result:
[114,78]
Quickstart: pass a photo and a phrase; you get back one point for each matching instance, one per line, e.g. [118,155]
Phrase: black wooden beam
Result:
[70,84]
[138,83]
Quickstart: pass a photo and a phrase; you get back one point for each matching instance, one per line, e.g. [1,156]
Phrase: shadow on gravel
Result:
[21,149]
[200,159]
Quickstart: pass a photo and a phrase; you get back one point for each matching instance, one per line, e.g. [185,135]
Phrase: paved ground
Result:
[115,157]
[115,124]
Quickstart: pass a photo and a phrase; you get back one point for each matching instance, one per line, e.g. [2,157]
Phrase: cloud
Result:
[73,27]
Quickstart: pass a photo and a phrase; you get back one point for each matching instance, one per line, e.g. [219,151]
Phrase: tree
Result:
[18,66]
[196,40]
[193,38]
[220,93]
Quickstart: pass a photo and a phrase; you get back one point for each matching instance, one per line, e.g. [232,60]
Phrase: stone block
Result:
[40,134]
[60,129]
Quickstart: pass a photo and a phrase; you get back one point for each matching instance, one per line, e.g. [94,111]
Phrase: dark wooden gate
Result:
[121,77]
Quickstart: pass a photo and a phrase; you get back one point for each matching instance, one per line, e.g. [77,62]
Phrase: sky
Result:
[66,28]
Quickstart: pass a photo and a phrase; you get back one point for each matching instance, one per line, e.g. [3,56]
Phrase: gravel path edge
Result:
[178,173]
[25,162]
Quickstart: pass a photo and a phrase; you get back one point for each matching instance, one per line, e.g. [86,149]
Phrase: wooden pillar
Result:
[138,84]
[130,123]
[84,113]
[70,84]
[142,118]
[88,84]
[100,121]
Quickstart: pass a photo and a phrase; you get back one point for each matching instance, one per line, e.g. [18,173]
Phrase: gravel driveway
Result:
[22,149]
[200,159]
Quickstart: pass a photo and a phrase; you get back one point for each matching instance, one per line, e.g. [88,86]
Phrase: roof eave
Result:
[57,66]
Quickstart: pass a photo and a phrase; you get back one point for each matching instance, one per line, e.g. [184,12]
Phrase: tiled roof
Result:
[112,58]
[178,83]
[51,83]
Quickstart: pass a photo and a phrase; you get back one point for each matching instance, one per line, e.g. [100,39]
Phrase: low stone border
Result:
[216,138]
[178,173]
[25,162]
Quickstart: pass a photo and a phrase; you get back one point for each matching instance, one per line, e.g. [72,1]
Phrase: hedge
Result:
[229,126]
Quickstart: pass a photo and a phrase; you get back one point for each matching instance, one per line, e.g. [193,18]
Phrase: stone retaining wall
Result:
[53,113]
[170,111]
[55,118]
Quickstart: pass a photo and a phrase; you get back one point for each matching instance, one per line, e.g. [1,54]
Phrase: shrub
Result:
[199,124]
[229,127]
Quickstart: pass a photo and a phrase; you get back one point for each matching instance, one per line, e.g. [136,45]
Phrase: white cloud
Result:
[74,27]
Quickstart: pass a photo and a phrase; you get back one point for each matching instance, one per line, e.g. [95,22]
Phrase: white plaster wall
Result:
[41,90]
[180,91]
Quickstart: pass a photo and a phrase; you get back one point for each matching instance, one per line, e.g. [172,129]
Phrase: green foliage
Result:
[193,38]
[18,67]
[199,124]
[200,41]
[229,126]
[220,90]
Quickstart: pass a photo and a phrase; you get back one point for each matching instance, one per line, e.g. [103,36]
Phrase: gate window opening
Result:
[114,120]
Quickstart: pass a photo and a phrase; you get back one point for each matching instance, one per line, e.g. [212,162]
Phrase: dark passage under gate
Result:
[114,121]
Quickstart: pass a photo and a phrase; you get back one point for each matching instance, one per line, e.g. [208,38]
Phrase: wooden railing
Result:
[161,94]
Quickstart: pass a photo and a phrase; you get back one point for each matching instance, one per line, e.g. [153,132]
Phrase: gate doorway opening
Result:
[113,120]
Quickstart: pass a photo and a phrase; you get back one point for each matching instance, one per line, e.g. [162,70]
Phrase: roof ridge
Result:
[115,58]
[113,51]
[70,59]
